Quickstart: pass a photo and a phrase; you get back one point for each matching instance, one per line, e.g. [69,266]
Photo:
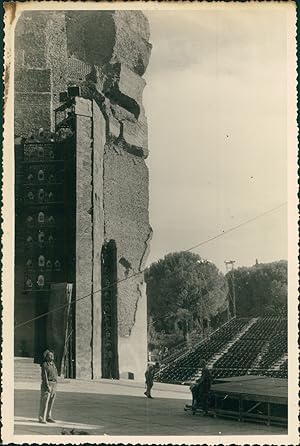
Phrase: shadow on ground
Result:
[99,414]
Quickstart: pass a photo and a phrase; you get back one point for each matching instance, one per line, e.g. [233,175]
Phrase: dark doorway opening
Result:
[109,300]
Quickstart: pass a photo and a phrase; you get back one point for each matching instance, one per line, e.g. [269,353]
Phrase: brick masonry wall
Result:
[127,222]
[106,52]
[99,137]
[84,246]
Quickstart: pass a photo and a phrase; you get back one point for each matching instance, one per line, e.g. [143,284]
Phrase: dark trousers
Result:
[195,397]
[200,397]
[47,400]
[149,386]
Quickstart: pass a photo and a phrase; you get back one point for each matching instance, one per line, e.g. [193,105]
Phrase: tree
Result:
[158,341]
[261,290]
[184,292]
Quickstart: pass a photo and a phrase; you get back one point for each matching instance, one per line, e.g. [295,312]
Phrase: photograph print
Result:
[150,288]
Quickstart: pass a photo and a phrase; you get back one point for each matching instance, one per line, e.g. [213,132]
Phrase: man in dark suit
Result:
[149,379]
[200,390]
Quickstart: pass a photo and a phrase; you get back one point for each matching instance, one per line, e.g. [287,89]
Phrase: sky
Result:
[216,106]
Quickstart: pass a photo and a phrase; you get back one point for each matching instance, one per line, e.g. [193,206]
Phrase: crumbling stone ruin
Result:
[102,56]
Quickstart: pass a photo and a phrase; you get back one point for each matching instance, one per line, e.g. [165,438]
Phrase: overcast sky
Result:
[216,107]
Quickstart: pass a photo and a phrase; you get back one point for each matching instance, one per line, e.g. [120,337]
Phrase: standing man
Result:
[200,390]
[48,387]
[149,378]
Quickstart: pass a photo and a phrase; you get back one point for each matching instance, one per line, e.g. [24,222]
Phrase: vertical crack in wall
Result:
[147,249]
[140,295]
[141,267]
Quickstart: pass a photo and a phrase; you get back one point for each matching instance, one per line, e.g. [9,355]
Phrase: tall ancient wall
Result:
[106,53]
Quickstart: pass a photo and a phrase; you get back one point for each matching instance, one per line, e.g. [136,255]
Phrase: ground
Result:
[120,408]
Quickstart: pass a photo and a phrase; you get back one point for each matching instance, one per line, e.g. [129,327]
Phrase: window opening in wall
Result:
[41,217]
[41,237]
[41,175]
[109,304]
[41,195]
[29,283]
[41,261]
[41,281]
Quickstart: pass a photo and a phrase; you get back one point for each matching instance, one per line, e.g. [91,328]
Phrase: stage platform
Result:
[251,398]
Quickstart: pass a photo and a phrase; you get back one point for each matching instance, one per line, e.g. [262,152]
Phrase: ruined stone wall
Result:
[84,240]
[40,56]
[106,53]
[126,221]
[99,138]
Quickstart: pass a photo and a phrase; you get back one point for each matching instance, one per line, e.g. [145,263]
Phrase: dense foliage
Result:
[184,293]
[260,290]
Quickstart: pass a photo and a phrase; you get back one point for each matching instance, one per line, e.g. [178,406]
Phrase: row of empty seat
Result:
[241,350]
[187,364]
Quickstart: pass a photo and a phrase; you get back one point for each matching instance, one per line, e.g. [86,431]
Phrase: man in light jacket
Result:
[48,387]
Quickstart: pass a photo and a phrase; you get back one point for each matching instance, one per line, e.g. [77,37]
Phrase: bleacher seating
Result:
[187,363]
[276,349]
[255,352]
[283,370]
[241,354]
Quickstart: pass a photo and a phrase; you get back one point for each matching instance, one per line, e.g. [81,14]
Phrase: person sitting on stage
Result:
[200,389]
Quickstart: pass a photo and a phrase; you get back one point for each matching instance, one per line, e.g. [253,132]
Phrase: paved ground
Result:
[120,408]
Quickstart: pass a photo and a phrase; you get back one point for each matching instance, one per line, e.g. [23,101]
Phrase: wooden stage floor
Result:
[250,397]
